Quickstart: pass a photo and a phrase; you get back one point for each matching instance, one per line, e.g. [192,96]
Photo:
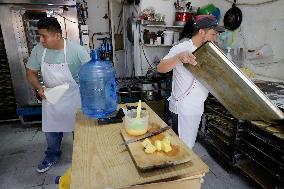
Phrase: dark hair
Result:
[50,24]
[189,30]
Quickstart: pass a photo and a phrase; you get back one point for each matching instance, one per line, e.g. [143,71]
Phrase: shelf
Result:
[267,167]
[161,26]
[148,45]
[256,173]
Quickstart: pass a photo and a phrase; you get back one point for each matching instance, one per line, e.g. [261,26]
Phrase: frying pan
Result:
[233,18]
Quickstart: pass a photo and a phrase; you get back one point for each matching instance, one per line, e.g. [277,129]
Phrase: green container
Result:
[208,9]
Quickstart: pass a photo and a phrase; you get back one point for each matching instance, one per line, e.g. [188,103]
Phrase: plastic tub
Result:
[136,126]
[168,37]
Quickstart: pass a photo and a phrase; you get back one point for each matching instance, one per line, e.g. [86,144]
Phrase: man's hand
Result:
[40,92]
[32,76]
[187,58]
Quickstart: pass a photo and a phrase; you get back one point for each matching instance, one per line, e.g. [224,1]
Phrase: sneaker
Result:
[45,165]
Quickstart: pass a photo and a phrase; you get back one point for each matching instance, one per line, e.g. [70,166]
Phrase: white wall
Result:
[97,9]
[165,7]
[262,24]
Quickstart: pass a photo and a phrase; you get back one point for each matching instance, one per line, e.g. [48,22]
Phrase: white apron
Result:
[189,107]
[59,117]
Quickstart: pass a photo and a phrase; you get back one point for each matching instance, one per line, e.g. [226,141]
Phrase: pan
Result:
[233,18]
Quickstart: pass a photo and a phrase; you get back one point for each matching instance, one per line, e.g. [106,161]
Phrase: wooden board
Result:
[143,161]
[99,161]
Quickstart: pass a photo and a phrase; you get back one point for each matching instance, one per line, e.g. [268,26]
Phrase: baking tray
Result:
[230,86]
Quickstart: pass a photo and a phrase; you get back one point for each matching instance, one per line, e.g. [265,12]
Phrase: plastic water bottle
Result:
[97,87]
[229,56]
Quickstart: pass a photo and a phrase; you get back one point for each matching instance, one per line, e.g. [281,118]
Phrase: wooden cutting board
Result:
[143,161]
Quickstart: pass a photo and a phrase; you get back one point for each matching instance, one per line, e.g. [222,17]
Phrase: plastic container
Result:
[97,87]
[168,37]
[265,51]
[175,37]
[64,180]
[136,126]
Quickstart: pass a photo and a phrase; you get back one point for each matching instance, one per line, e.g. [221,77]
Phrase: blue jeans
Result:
[53,151]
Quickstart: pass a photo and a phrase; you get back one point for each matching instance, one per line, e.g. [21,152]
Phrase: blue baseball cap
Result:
[208,21]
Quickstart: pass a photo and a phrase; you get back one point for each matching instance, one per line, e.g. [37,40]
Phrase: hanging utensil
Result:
[233,18]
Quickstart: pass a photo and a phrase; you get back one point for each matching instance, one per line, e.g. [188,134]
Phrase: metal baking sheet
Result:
[230,86]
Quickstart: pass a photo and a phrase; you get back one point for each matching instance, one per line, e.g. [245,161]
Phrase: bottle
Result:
[64,180]
[229,56]
[97,87]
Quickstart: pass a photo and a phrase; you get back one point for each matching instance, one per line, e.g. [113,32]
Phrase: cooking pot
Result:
[233,18]
[130,94]
[182,16]
[152,96]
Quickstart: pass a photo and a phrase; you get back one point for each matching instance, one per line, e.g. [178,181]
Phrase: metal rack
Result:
[7,96]
[263,149]
[244,146]
[20,35]
[218,131]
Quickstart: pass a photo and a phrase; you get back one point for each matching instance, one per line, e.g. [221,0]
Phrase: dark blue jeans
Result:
[53,151]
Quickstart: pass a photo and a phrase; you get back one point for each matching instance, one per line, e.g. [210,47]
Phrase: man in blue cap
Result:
[188,95]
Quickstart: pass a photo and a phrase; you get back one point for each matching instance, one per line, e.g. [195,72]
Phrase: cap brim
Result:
[219,29]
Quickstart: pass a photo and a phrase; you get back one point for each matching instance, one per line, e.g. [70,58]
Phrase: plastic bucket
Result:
[168,37]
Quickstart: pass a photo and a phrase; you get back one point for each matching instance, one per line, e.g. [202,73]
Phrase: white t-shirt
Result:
[183,80]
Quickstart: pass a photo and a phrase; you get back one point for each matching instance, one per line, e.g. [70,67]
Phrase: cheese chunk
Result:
[145,142]
[150,149]
[166,147]
[158,145]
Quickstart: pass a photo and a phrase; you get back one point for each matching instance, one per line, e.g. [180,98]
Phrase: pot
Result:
[233,18]
[152,96]
[130,94]
[182,16]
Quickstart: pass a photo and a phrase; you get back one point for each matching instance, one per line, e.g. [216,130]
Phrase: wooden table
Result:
[99,161]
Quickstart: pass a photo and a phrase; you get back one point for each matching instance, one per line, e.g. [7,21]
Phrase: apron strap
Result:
[187,92]
[65,57]
[43,55]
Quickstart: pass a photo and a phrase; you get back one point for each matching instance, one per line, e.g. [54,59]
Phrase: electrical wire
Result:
[144,51]
[252,4]
[64,17]
[151,66]
[135,9]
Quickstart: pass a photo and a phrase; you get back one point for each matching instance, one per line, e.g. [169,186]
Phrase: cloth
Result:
[76,56]
[187,97]
[59,117]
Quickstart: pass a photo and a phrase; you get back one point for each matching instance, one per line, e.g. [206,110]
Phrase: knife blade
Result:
[149,134]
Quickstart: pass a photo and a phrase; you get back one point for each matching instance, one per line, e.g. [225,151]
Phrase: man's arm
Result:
[168,64]
[32,77]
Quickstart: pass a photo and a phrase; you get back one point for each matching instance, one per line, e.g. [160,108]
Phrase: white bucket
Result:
[168,37]
[176,37]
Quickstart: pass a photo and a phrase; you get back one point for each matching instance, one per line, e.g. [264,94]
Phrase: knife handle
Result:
[104,121]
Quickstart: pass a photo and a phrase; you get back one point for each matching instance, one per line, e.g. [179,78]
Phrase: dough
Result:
[261,123]
[248,72]
[280,135]
[273,129]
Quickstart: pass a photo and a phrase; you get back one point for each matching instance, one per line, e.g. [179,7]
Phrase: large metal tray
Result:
[230,86]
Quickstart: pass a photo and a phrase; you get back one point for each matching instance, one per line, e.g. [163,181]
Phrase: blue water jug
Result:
[97,87]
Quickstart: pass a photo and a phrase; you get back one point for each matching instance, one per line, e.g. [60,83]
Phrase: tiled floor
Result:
[22,149]
[218,177]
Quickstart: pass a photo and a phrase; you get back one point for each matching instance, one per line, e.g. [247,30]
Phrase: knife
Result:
[149,134]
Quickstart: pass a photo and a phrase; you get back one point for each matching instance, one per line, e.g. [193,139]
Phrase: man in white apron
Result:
[188,95]
[59,61]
